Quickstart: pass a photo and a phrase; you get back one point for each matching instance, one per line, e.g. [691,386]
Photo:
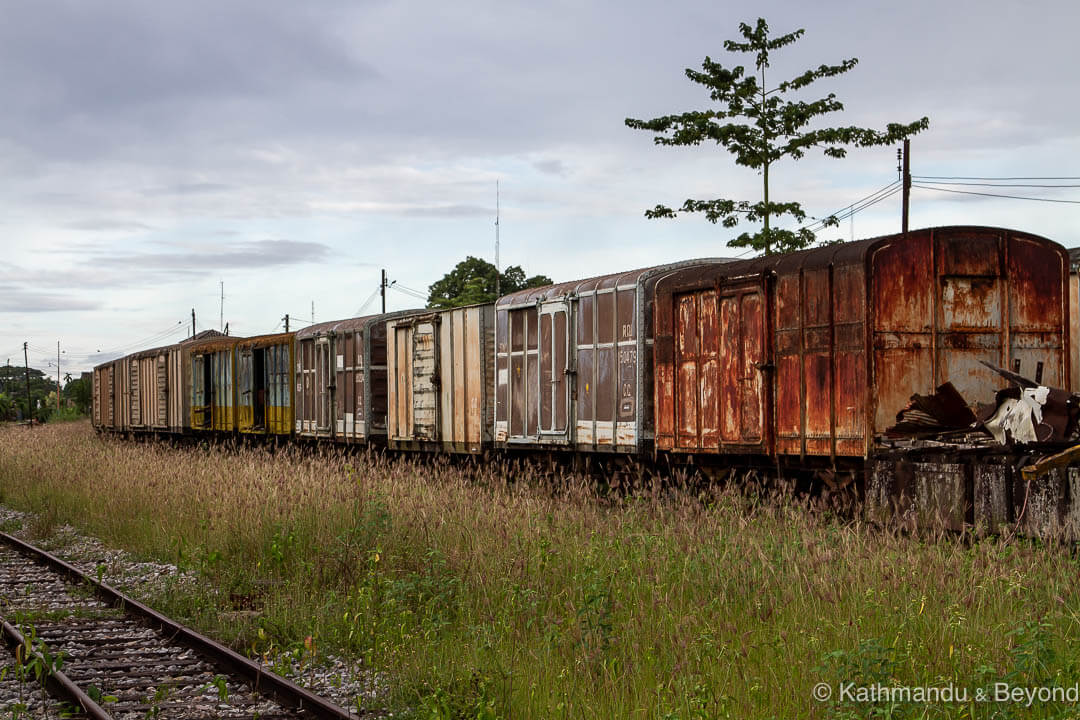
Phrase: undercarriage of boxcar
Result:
[922,368]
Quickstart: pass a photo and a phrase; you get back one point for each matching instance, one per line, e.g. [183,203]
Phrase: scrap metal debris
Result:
[1024,413]
[932,414]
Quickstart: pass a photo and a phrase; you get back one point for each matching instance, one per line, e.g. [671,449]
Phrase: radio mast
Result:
[497,293]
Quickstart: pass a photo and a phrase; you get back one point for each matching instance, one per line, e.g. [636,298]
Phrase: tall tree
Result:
[760,127]
[473,281]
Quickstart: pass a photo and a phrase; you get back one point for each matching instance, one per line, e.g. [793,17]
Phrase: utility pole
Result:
[286,322]
[57,376]
[382,290]
[26,363]
[312,312]
[907,186]
[192,322]
[222,324]
[497,278]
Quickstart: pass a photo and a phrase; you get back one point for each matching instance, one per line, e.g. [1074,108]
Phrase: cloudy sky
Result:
[290,150]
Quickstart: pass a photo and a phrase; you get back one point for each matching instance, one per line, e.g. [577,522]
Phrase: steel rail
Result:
[263,681]
[55,680]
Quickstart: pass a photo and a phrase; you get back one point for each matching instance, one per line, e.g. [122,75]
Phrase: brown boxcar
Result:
[1074,318]
[264,367]
[148,389]
[104,417]
[341,380]
[567,363]
[213,397]
[440,375]
[813,353]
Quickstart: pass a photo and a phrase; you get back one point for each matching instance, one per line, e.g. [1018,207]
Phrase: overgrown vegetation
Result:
[486,591]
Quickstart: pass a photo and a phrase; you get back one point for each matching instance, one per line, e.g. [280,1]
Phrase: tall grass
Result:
[486,590]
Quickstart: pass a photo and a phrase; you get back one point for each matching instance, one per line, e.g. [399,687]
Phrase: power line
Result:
[994,184]
[369,300]
[984,194]
[973,177]
[411,293]
[857,206]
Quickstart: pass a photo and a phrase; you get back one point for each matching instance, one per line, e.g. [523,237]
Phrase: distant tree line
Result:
[75,394]
[472,281]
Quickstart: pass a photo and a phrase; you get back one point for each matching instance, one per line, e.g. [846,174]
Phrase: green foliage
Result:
[760,127]
[79,392]
[7,408]
[13,385]
[488,590]
[472,281]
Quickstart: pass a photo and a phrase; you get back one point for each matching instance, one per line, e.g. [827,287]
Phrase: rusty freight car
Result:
[440,374]
[264,380]
[812,354]
[1074,318]
[213,398]
[571,363]
[341,380]
[104,390]
[148,389]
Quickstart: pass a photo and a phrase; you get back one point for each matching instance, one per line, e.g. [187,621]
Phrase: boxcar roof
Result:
[408,315]
[213,344]
[601,282]
[266,340]
[356,323]
[819,257]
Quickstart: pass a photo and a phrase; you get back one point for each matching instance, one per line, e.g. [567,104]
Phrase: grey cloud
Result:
[250,255]
[108,225]
[16,299]
[448,211]
[187,189]
[551,167]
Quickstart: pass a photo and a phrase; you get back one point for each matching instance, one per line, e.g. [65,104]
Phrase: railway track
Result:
[82,648]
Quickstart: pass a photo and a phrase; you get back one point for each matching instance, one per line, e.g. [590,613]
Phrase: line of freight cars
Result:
[800,360]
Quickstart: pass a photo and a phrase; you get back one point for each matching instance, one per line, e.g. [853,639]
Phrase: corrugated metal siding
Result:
[719,390]
[265,377]
[568,366]
[1074,328]
[179,372]
[855,330]
[99,387]
[440,379]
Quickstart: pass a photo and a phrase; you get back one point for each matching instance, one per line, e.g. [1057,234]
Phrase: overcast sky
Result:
[150,151]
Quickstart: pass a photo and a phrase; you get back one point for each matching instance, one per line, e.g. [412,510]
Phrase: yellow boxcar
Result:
[265,374]
[213,384]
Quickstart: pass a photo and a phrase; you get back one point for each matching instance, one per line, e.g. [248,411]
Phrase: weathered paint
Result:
[265,378]
[441,378]
[213,397]
[1074,319]
[813,353]
[340,379]
[568,369]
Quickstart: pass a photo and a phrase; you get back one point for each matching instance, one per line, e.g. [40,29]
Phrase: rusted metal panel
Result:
[425,395]
[213,384]
[178,374]
[265,379]
[719,346]
[990,295]
[569,368]
[1074,319]
[850,332]
[441,382]
[341,379]
[122,386]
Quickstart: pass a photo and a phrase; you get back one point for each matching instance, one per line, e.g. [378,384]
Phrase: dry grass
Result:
[484,592]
